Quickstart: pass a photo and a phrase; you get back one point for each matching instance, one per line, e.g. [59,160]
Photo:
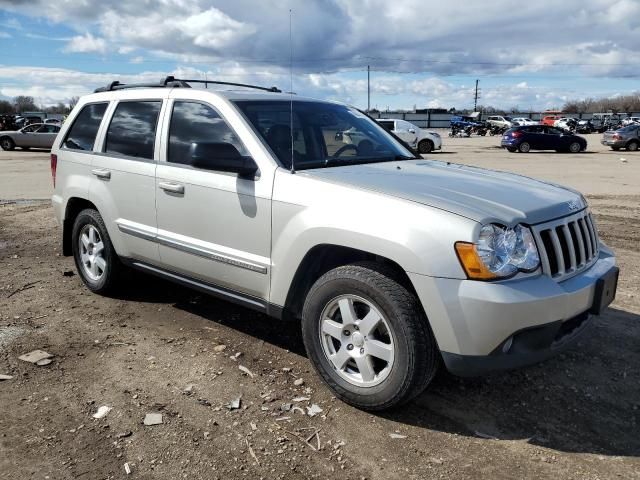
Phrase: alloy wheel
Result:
[92,258]
[357,340]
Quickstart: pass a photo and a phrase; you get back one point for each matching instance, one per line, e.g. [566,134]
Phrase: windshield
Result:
[323,134]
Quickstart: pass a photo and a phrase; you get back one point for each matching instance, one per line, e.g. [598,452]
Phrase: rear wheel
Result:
[7,144]
[367,337]
[632,146]
[96,260]
[575,147]
[524,147]
[425,146]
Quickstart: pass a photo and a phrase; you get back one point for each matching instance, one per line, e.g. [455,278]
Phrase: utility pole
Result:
[475,98]
[368,88]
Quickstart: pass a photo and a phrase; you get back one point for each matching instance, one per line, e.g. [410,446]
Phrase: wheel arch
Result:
[325,257]
[74,206]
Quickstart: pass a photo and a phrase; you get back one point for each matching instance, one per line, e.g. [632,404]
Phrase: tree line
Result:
[23,103]
[622,103]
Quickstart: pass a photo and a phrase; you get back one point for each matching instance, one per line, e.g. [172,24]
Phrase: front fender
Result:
[308,212]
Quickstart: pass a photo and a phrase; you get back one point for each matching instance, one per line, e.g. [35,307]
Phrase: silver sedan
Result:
[36,135]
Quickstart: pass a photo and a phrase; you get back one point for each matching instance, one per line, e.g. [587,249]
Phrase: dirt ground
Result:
[158,348]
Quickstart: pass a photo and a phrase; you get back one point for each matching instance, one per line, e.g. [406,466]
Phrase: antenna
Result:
[293,168]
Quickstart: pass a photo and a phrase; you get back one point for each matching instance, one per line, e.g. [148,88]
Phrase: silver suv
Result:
[392,263]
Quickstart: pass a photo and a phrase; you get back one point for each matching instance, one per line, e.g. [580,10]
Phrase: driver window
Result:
[30,129]
[193,122]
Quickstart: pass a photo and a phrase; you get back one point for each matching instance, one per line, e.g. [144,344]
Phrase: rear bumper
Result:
[613,143]
[482,326]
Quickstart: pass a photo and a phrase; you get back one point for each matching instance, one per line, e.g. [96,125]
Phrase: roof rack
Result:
[171,82]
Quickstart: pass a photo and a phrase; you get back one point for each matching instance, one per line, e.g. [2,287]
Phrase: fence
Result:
[442,120]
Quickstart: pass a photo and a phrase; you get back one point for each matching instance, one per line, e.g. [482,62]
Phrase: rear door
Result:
[535,136]
[123,183]
[48,134]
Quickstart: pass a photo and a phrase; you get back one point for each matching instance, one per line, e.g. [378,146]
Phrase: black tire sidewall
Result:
[574,151]
[633,142]
[524,151]
[106,282]
[405,347]
[12,144]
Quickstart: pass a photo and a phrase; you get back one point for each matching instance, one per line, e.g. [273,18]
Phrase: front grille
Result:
[567,245]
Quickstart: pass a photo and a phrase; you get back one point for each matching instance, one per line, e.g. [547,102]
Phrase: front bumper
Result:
[483,326]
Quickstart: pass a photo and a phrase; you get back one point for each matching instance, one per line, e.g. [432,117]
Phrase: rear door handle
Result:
[101,173]
[171,187]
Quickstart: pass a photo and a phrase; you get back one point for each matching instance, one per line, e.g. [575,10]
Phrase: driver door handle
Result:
[171,187]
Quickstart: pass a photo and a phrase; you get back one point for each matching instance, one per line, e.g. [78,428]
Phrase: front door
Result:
[213,226]
[406,132]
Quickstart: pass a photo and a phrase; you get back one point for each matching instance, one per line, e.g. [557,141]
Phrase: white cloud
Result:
[86,43]
[5,35]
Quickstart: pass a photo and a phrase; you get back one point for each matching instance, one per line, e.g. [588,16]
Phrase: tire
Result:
[99,276]
[632,146]
[411,351]
[425,146]
[524,147]
[7,144]
[575,147]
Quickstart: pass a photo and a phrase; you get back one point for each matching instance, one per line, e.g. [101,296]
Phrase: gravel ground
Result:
[158,348]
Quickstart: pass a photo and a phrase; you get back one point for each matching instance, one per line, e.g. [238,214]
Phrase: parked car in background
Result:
[608,121]
[499,121]
[541,137]
[585,126]
[566,123]
[550,119]
[520,121]
[424,141]
[626,137]
[37,135]
[630,120]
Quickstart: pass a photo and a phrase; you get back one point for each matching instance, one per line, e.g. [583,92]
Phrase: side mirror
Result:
[223,157]
[411,130]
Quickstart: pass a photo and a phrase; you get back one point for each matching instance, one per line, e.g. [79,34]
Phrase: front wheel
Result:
[96,260]
[7,144]
[574,147]
[425,146]
[368,337]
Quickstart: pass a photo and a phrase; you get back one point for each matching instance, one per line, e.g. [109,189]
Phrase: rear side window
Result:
[82,133]
[193,122]
[132,131]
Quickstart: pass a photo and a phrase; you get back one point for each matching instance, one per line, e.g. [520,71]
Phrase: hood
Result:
[475,193]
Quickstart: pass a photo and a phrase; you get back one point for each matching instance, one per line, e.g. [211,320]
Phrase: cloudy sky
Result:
[422,53]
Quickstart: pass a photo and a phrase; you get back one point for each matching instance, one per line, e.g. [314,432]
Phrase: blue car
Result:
[542,137]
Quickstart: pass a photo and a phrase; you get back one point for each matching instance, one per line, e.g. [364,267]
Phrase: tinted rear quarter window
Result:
[132,131]
[82,133]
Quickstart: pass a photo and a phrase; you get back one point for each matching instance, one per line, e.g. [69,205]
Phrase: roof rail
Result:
[171,82]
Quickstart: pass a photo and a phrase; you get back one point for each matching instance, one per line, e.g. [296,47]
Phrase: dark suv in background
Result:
[541,137]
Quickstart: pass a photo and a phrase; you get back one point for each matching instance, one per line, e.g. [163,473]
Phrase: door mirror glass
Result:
[412,130]
[223,157]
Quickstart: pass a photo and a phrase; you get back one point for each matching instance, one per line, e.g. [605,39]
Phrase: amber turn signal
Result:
[472,263]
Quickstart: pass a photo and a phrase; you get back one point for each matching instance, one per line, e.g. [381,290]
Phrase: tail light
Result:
[54,167]
[617,136]
[516,134]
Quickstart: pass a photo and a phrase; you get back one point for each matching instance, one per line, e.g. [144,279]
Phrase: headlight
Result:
[499,253]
